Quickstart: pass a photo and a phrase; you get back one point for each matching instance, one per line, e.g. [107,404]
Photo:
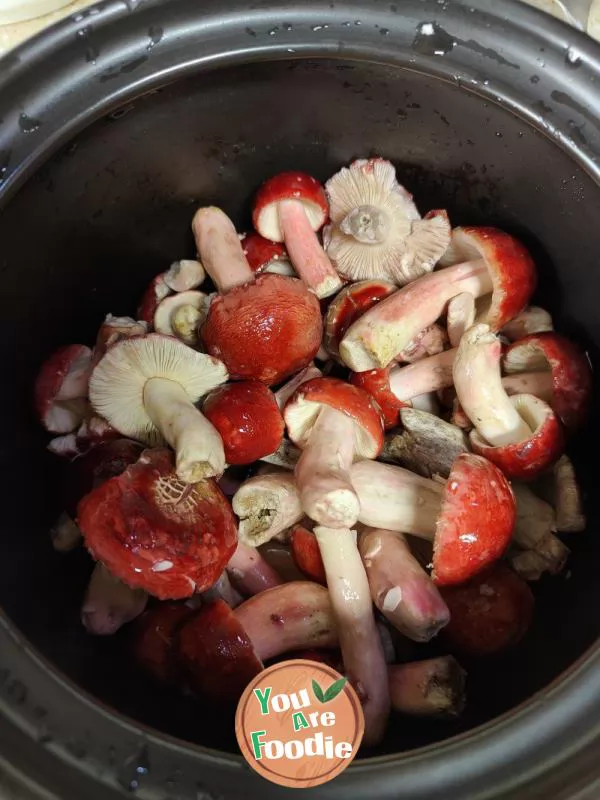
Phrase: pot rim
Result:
[512,44]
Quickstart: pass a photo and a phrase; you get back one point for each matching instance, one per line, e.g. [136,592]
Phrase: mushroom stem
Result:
[288,617]
[428,375]
[225,591]
[249,571]
[109,603]
[367,224]
[460,316]
[198,446]
[283,394]
[535,527]
[322,471]
[362,651]
[435,687]
[480,392]
[304,249]
[538,384]
[220,249]
[400,587]
[266,506]
[396,499]
[570,514]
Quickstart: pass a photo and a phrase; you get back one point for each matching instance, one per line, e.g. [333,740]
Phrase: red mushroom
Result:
[266,328]
[283,394]
[559,362]
[248,419]
[521,434]
[153,641]
[61,388]
[489,614]
[154,294]
[401,589]
[156,533]
[470,519]
[265,256]
[349,305]
[112,330]
[306,553]
[289,208]
[334,424]
[431,688]
[376,382]
[499,272]
[249,571]
[532,320]
[376,230]
[181,315]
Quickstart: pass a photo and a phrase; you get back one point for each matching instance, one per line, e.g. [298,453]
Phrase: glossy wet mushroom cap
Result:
[61,388]
[288,186]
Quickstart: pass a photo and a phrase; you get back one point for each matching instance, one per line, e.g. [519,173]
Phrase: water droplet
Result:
[432,40]
[155,34]
[28,124]
[291,50]
[316,28]
[357,22]
[534,79]
[250,31]
[4,160]
[385,32]
[346,24]
[499,135]
[572,58]
[134,769]
[273,31]
[287,26]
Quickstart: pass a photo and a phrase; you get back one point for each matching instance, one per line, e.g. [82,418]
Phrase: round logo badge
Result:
[299,723]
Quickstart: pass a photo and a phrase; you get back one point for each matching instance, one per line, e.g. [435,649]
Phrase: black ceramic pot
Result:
[114,126]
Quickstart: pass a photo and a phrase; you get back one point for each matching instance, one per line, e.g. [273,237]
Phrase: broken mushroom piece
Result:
[306,554]
[570,514]
[489,614]
[429,342]
[533,319]
[470,519]
[265,328]
[290,208]
[347,306]
[521,434]
[181,315]
[376,230]
[535,527]
[265,256]
[184,275]
[248,419]
[400,587]
[266,506]
[431,688]
[249,571]
[146,388]
[61,388]
[334,424]
[154,294]
[360,643]
[499,273]
[563,365]
[157,533]
[283,394]
[109,603]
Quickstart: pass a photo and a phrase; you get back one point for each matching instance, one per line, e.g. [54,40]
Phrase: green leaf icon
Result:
[334,689]
[318,692]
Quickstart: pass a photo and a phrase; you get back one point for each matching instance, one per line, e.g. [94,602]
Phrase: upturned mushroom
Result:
[248,419]
[146,388]
[334,424]
[266,506]
[434,687]
[249,571]
[489,614]
[470,518]
[265,327]
[283,394]
[561,366]
[181,315]
[112,330]
[521,433]
[154,294]
[400,588]
[157,533]
[497,271]
[376,230]
[291,207]
[109,603]
[265,256]
[61,388]
[532,319]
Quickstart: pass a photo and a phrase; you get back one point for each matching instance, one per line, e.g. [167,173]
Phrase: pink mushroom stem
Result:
[290,617]
[225,591]
[538,384]
[360,643]
[322,471]
[304,249]
[435,687]
[249,571]
[283,394]
[400,587]
[222,254]
[109,603]
[428,375]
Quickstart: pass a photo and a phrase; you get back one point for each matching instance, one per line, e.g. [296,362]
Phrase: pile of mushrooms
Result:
[242,503]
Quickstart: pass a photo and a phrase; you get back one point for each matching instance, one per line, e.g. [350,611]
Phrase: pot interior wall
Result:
[113,208]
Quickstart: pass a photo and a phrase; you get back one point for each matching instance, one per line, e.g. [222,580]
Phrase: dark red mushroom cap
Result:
[377,383]
[267,330]
[153,640]
[288,186]
[570,369]
[306,553]
[248,419]
[215,653]
[151,299]
[156,533]
[261,252]
[488,614]
[61,388]
[476,520]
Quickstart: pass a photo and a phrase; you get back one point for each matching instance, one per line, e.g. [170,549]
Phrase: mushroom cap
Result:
[488,614]
[411,247]
[261,252]
[156,533]
[156,292]
[376,382]
[306,553]
[215,653]
[527,459]
[571,372]
[267,330]
[153,640]
[117,384]
[511,268]
[476,521]
[248,419]
[165,316]
[61,388]
[303,408]
[288,186]
[347,306]
[112,330]
[184,275]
